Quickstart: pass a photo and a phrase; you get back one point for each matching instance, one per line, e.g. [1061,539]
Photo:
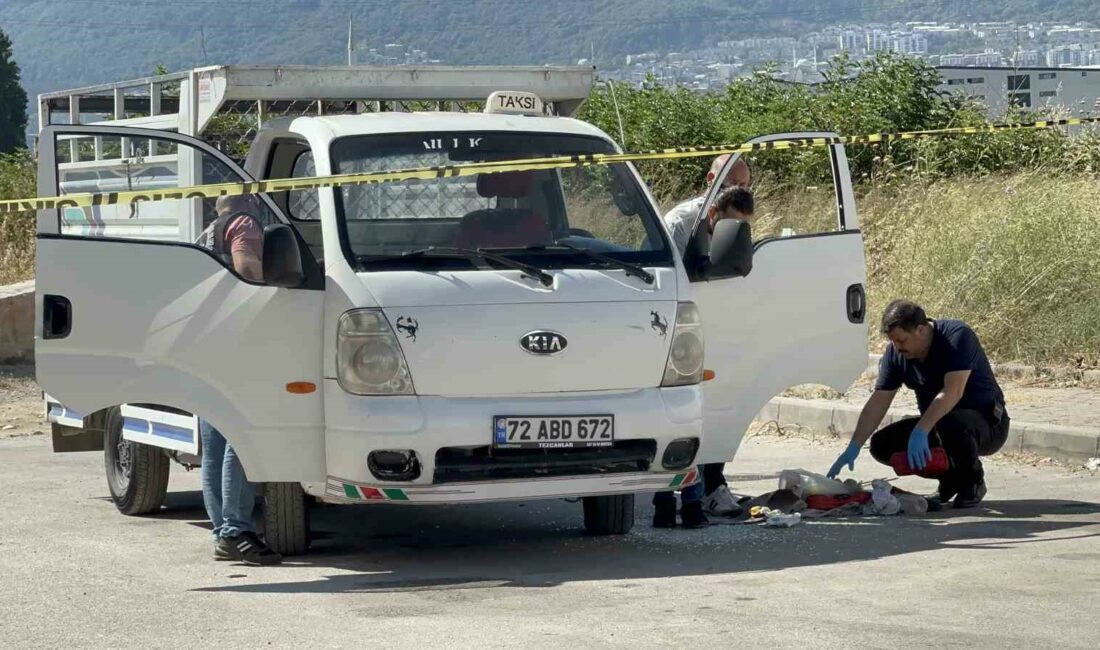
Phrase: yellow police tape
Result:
[526,164]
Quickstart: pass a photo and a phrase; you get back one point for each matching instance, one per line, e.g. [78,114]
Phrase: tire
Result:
[286,518]
[609,515]
[137,474]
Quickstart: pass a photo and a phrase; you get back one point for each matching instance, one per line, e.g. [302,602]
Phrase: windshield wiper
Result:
[630,269]
[466,253]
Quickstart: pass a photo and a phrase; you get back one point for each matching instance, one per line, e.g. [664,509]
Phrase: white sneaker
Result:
[721,503]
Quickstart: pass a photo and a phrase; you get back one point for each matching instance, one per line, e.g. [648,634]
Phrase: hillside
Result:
[66,43]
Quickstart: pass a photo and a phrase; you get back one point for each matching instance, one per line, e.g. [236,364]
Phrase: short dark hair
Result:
[905,314]
[735,197]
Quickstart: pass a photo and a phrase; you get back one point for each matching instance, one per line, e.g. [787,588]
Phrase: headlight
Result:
[368,358]
[685,359]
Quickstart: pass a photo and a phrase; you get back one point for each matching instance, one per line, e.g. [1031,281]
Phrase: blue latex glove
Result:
[919,453]
[847,458]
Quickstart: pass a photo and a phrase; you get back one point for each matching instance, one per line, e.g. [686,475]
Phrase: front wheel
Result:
[609,515]
[286,518]
[137,474]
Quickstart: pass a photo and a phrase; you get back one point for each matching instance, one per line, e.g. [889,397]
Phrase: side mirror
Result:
[282,260]
[730,251]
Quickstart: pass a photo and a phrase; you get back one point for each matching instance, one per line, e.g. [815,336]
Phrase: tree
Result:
[13,101]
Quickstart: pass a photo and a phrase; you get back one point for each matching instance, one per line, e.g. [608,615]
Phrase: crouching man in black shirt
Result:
[961,405]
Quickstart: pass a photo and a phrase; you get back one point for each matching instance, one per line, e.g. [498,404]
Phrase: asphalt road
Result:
[1024,571]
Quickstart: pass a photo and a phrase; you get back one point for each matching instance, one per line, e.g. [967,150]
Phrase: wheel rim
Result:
[121,460]
[124,461]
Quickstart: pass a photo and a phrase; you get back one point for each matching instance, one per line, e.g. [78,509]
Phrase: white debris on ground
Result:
[777,519]
[883,502]
[1093,464]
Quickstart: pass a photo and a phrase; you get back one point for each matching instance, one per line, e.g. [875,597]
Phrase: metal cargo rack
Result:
[225,105]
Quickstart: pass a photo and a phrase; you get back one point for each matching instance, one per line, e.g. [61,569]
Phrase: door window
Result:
[111,163]
[792,193]
[106,160]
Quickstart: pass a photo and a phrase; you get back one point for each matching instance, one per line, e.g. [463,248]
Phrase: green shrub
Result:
[17,181]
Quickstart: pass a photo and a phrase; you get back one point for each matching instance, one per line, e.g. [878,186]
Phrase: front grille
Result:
[459,464]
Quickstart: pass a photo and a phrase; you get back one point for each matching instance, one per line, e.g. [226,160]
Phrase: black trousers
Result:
[713,478]
[964,434]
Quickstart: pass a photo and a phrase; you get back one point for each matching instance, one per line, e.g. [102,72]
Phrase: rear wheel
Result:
[286,518]
[609,515]
[137,474]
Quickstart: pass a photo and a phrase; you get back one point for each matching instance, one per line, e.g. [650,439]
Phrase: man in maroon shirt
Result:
[236,238]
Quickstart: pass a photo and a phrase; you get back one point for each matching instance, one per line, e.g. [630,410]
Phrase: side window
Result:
[291,158]
[87,163]
[302,204]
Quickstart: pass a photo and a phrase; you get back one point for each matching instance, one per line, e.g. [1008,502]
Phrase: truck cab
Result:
[522,334]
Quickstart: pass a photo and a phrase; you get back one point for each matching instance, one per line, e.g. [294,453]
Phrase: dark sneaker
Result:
[939,499]
[692,516]
[971,496]
[664,514]
[221,553]
[248,548]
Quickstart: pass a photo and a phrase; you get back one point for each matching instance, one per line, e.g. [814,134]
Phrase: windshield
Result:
[537,216]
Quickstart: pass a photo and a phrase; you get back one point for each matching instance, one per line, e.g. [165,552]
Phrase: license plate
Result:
[554,432]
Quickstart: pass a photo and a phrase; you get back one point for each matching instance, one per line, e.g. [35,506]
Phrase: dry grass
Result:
[16,247]
[1014,256]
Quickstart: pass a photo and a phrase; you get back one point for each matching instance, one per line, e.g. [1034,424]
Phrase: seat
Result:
[503,227]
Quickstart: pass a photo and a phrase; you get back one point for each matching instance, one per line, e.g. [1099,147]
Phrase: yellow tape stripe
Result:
[527,164]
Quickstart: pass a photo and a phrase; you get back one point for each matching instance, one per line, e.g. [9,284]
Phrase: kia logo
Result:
[543,342]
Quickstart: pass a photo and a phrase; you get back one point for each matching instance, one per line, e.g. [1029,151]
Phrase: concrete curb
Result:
[17,322]
[1072,444]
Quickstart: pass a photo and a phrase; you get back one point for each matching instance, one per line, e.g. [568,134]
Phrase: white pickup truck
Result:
[516,335]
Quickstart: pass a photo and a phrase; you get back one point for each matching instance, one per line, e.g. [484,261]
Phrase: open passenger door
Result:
[797,318]
[132,312]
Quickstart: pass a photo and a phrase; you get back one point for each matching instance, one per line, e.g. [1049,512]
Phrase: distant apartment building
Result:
[988,58]
[912,44]
[861,41]
[991,30]
[1067,55]
[852,41]
[1074,90]
[1028,58]
[876,40]
[1072,34]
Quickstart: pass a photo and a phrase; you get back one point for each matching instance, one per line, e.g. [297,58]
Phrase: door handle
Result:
[856,303]
[57,317]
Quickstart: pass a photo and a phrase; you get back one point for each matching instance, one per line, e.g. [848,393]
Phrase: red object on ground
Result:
[938,465]
[828,501]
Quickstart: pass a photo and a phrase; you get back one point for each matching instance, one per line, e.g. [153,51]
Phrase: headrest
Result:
[508,185]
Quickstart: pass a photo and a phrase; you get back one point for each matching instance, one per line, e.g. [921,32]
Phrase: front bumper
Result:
[336,490]
[358,425]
